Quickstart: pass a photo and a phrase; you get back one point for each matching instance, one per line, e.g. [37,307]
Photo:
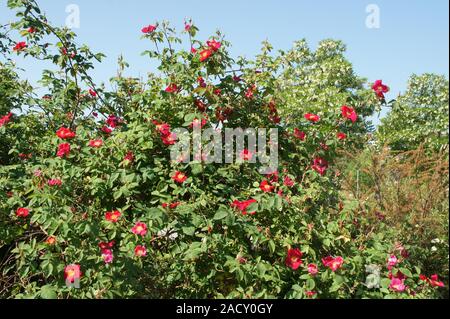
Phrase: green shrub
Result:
[117,213]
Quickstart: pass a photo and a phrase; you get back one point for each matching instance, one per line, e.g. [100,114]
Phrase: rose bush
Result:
[89,192]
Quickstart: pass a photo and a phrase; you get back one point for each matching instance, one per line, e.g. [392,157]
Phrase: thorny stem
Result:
[87,77]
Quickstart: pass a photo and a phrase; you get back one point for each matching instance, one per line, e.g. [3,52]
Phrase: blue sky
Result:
[412,38]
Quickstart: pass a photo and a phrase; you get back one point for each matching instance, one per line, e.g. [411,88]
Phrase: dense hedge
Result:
[88,189]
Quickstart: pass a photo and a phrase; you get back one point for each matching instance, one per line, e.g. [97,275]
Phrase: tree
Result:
[419,116]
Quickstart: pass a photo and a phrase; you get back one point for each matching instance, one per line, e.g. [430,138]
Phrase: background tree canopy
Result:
[419,116]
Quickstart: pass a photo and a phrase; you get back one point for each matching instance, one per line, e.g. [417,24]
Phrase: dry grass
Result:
[409,189]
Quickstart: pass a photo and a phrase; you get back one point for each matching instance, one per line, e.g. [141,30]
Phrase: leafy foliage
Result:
[408,192]
[420,116]
[88,190]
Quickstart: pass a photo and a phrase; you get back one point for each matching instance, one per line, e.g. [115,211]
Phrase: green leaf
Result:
[338,279]
[189,230]
[261,269]
[196,169]
[48,292]
[220,214]
[406,272]
[296,287]
[253,207]
[192,253]
[385,282]
[190,117]
[271,245]
[310,284]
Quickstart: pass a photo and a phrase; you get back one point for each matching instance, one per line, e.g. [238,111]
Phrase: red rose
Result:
[95,143]
[288,181]
[324,146]
[107,256]
[54,182]
[200,105]
[275,119]
[250,92]
[273,177]
[299,134]
[198,123]
[341,136]
[174,205]
[19,46]
[65,133]
[140,251]
[242,206]
[266,186]
[349,113]
[92,93]
[228,111]
[179,177]
[201,81]
[63,150]
[398,275]
[272,107]
[172,88]
[333,263]
[320,165]
[129,157]
[148,29]
[214,45]
[113,121]
[24,156]
[434,281]
[106,130]
[313,269]
[294,258]
[310,293]
[72,273]
[113,216]
[205,54]
[139,229]
[5,119]
[106,245]
[380,89]
[22,212]
[312,117]
[171,205]
[246,155]
[51,240]
[170,139]
[163,128]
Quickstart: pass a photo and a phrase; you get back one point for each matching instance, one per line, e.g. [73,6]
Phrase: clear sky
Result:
[413,36]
